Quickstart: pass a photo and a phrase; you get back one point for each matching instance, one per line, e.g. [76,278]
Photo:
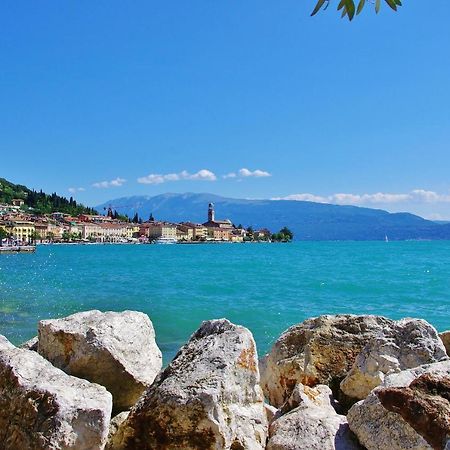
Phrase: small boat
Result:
[386,238]
[163,240]
[18,249]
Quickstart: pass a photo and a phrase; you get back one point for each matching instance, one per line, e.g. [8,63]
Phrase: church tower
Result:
[211,212]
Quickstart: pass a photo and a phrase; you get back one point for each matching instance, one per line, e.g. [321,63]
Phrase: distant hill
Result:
[308,220]
[40,202]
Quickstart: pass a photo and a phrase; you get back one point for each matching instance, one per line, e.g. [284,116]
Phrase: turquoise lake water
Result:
[265,287]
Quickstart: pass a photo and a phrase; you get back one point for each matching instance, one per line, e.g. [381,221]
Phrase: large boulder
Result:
[321,350]
[445,338]
[207,398]
[310,423]
[410,409]
[405,344]
[116,350]
[41,407]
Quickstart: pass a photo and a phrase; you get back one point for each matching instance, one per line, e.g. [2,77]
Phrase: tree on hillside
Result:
[284,235]
[350,8]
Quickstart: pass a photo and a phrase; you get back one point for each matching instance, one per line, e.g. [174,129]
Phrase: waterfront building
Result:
[185,233]
[158,230]
[20,230]
[41,229]
[236,237]
[90,231]
[213,223]
[105,232]
[55,231]
[219,234]
[199,232]
[218,230]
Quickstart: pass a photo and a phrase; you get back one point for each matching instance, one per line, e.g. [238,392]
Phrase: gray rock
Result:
[404,344]
[317,351]
[43,408]
[445,338]
[207,398]
[311,423]
[31,344]
[385,420]
[116,350]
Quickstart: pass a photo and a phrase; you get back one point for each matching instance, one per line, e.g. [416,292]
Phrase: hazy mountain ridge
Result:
[308,220]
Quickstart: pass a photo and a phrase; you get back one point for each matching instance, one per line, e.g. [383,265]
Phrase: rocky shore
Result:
[95,380]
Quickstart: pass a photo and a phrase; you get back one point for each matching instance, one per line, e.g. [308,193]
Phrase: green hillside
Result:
[40,202]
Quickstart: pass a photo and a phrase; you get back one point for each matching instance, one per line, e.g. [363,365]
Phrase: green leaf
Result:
[392,4]
[350,7]
[341,4]
[360,6]
[377,6]
[318,7]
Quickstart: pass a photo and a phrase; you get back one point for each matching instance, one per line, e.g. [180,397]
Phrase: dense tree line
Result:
[40,202]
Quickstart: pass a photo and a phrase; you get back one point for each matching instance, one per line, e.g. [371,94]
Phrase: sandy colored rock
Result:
[410,410]
[114,425]
[116,350]
[311,423]
[317,351]
[424,405]
[403,344]
[445,338]
[207,398]
[41,407]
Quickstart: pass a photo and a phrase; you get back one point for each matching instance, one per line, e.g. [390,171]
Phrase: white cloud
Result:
[245,173]
[303,197]
[417,196]
[107,184]
[429,196]
[74,190]
[201,175]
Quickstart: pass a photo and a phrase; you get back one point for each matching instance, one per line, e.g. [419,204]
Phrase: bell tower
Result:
[211,215]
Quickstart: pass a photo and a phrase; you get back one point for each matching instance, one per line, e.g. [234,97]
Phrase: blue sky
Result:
[245,99]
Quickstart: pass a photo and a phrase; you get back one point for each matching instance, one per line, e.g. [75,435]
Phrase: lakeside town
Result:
[21,227]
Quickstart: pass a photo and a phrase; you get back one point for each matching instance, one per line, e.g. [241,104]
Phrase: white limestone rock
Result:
[321,350]
[445,338]
[114,349]
[310,423]
[381,424]
[43,408]
[5,344]
[271,412]
[207,398]
[31,344]
[404,344]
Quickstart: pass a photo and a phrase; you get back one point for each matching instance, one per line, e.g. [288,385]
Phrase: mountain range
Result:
[307,220]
